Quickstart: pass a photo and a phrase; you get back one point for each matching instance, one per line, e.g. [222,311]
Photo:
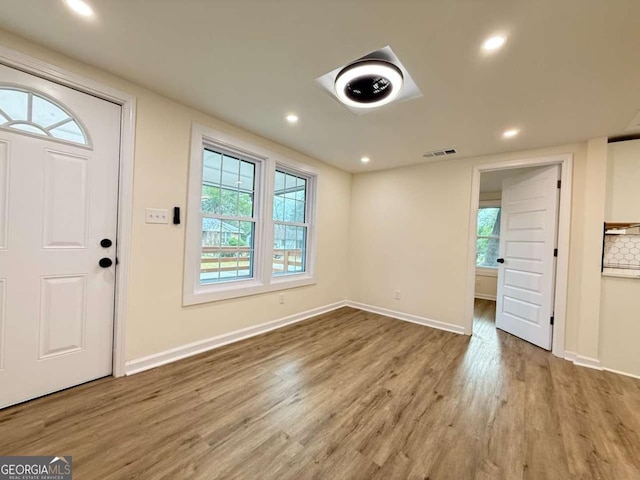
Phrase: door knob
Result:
[105,262]
[500,260]
[105,243]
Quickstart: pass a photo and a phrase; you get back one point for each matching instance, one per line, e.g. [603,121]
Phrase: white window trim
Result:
[310,214]
[263,281]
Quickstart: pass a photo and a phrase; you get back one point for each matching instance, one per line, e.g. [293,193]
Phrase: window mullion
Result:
[230,218]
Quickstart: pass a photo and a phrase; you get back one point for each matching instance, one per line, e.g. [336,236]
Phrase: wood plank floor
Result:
[348,395]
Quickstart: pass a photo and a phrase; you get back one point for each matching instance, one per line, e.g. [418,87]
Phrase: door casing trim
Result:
[564,229]
[47,71]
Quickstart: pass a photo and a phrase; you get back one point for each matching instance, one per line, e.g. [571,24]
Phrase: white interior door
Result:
[526,278]
[59,156]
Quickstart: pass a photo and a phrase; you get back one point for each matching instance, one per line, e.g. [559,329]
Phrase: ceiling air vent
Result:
[440,153]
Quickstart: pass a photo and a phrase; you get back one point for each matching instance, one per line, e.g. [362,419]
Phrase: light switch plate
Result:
[157,215]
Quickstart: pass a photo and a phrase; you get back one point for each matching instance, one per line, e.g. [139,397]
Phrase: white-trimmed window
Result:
[488,235]
[290,222]
[250,220]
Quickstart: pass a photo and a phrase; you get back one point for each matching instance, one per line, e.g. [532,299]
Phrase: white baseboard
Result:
[482,296]
[582,361]
[588,362]
[427,322]
[594,363]
[157,359]
[621,373]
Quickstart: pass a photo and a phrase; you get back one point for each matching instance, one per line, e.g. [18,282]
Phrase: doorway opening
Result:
[519,222]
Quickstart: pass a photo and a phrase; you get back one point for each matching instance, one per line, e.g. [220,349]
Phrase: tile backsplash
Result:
[622,251]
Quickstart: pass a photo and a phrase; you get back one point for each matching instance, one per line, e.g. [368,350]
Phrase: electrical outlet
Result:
[477,283]
[396,295]
[157,215]
[281,298]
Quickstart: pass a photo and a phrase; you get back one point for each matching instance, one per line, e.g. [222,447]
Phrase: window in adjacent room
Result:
[488,237]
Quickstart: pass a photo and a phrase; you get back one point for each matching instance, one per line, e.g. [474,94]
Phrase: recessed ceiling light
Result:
[292,118]
[493,43]
[80,7]
[368,83]
[510,133]
[365,159]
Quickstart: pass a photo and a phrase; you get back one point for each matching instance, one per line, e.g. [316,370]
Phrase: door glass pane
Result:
[14,103]
[69,131]
[26,127]
[45,113]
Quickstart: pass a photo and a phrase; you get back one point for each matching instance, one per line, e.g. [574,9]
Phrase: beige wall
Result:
[486,285]
[620,302]
[156,321]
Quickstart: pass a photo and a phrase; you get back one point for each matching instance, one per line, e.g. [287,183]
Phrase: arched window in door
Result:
[33,113]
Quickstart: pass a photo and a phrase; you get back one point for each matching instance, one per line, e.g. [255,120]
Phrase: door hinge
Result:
[551,321]
[555,252]
[559,183]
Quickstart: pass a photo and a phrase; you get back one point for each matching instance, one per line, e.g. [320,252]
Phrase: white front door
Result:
[59,157]
[526,278]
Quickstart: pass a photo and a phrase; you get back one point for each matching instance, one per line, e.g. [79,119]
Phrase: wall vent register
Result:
[440,153]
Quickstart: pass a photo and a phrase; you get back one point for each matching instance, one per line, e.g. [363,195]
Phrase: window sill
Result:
[244,289]
[487,271]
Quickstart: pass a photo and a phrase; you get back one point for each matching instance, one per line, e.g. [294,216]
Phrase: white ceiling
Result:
[492,181]
[570,69]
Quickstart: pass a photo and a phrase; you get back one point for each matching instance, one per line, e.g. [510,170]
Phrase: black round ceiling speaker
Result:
[368,83]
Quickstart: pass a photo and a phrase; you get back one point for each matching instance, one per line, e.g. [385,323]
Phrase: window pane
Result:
[245,204]
[210,199]
[289,249]
[300,212]
[488,226]
[211,167]
[247,176]
[230,172]
[289,207]
[289,210]
[487,252]
[489,221]
[301,189]
[14,103]
[25,127]
[46,113]
[227,250]
[289,186]
[278,208]
[228,202]
[228,185]
[69,131]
